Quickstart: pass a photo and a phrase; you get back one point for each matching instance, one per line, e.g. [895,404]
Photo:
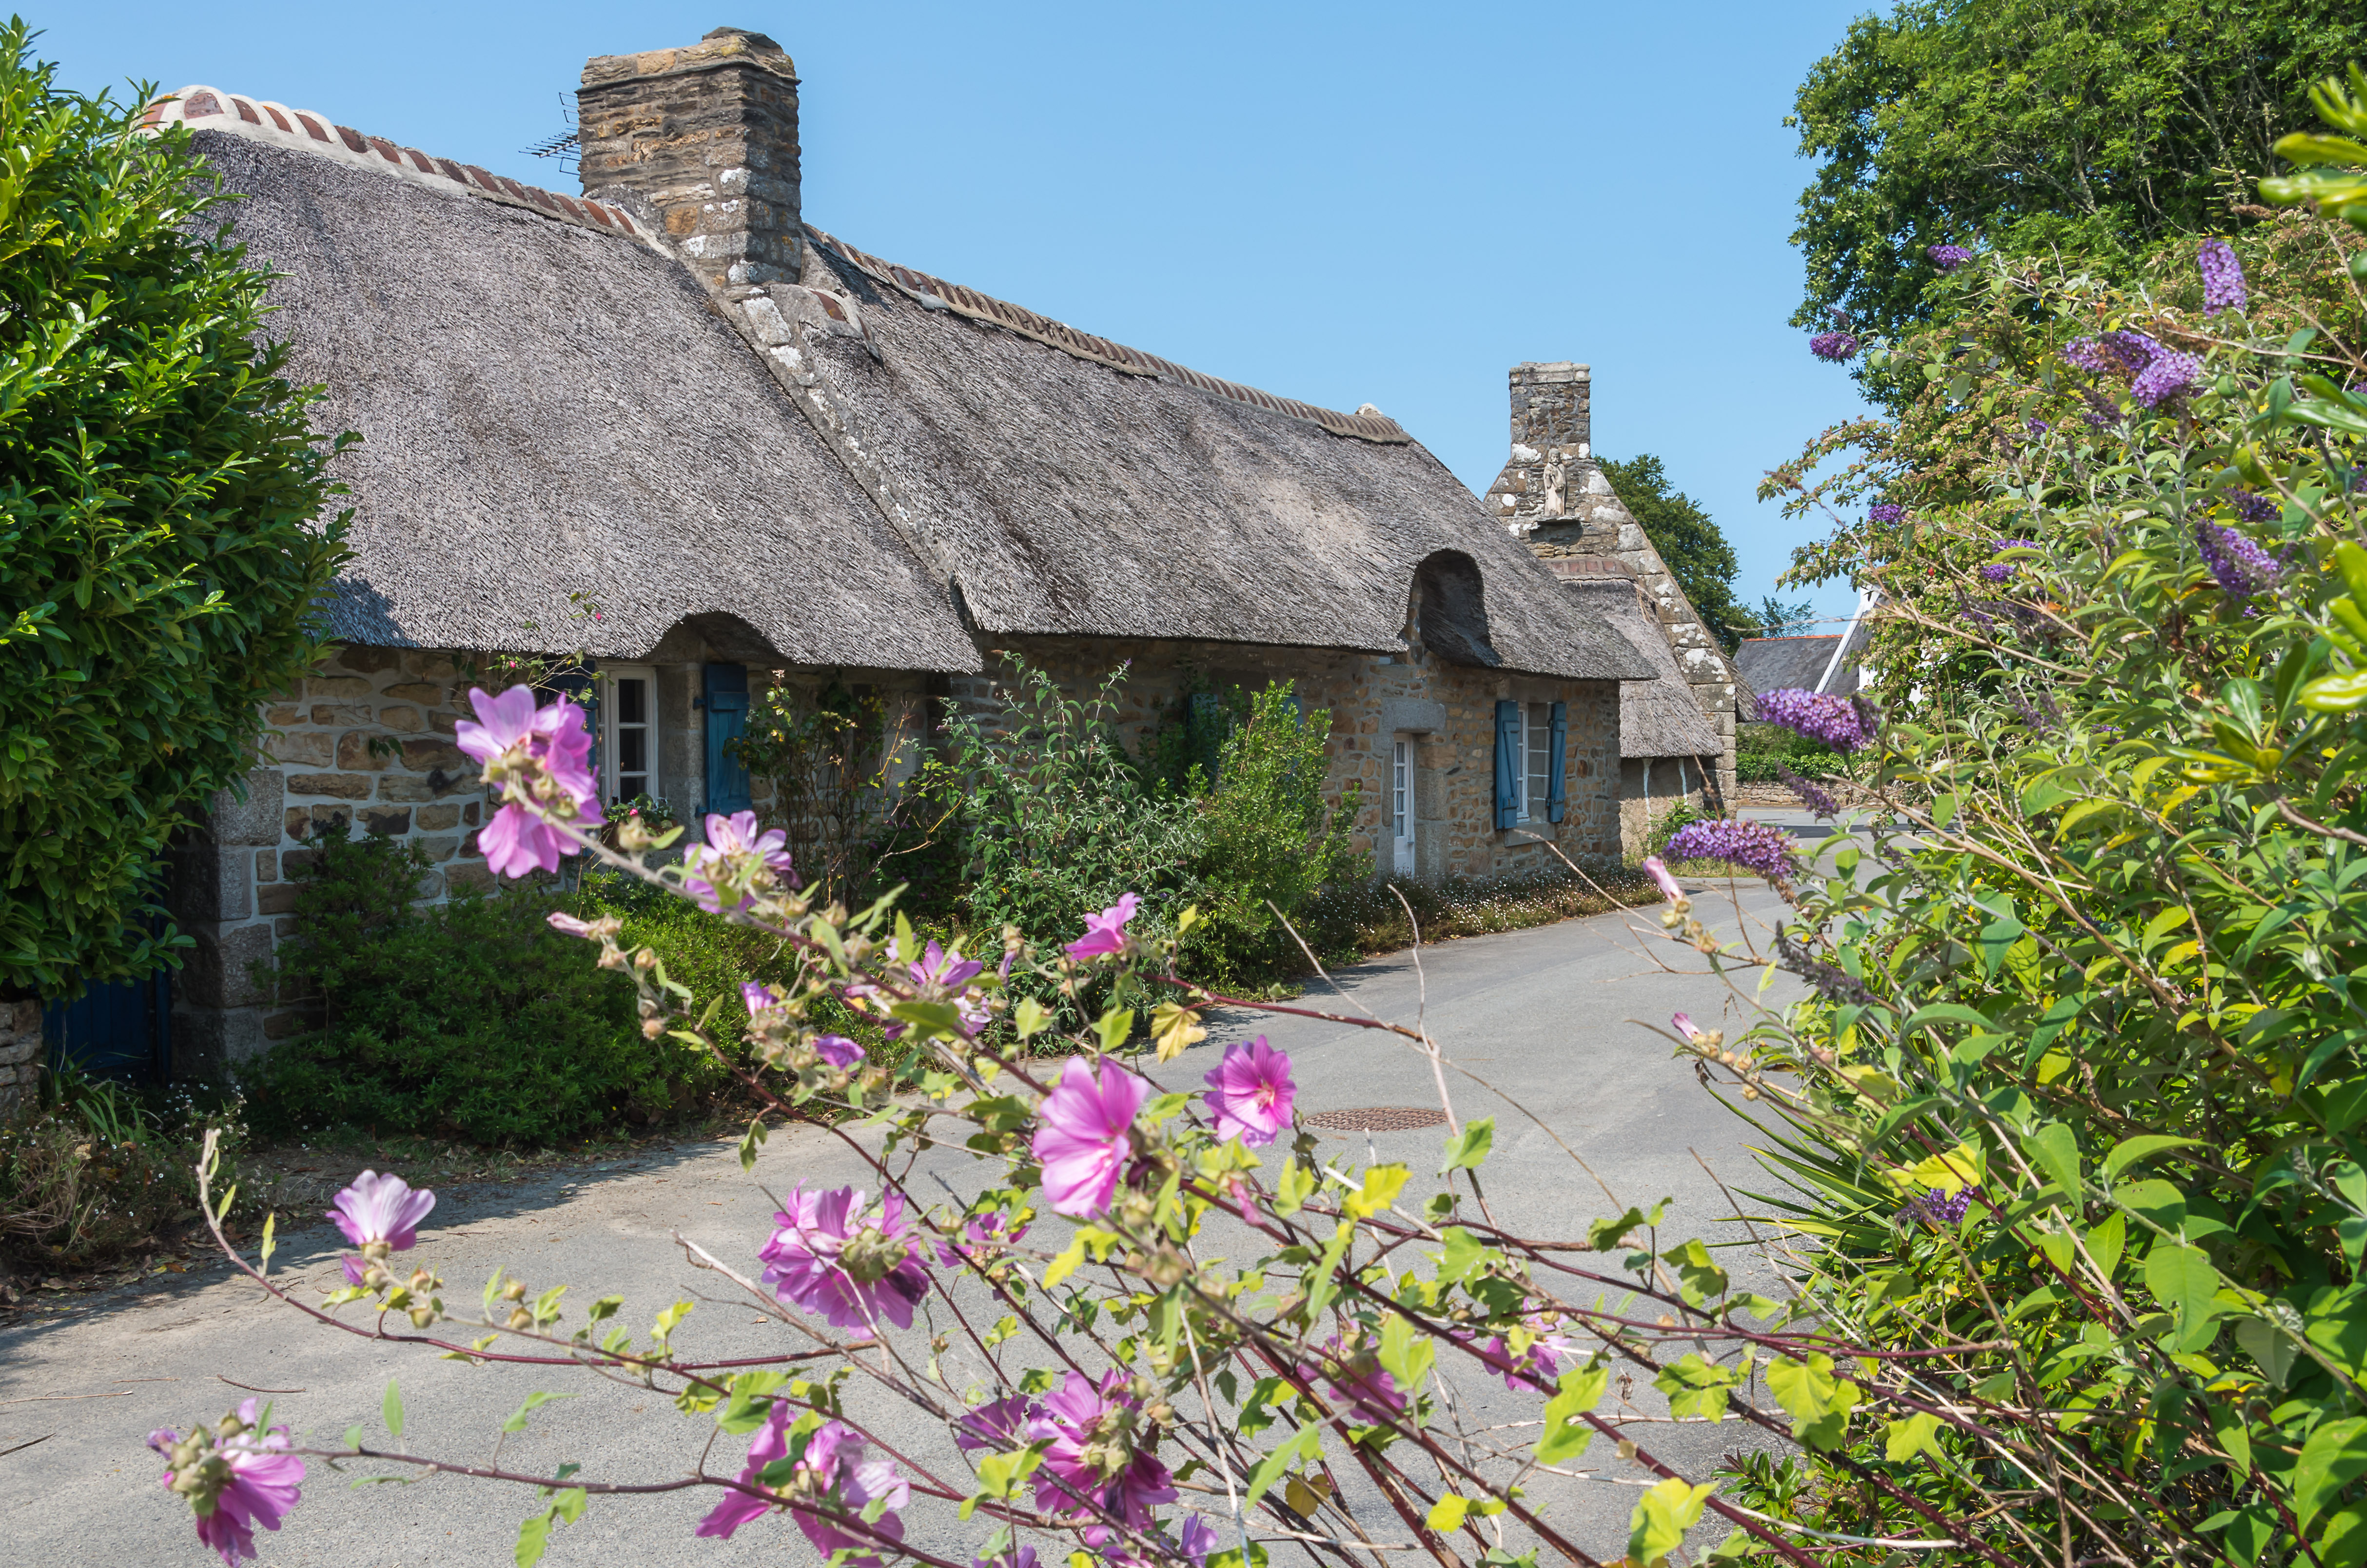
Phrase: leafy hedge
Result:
[159,556]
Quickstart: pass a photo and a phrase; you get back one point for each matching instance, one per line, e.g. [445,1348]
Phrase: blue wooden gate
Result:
[116,1031]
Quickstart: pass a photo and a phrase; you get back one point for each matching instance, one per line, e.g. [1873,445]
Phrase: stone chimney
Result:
[704,140]
[1543,484]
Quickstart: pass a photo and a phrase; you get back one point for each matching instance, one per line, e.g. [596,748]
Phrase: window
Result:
[1537,746]
[628,726]
[1399,787]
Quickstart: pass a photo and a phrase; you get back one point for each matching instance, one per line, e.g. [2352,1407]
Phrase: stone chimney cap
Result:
[722,48]
[1550,371]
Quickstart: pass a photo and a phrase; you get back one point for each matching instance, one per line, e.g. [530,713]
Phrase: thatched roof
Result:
[1794,663]
[1071,496]
[1657,718]
[548,408]
[551,405]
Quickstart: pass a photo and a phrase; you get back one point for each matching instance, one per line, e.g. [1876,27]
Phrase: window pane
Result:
[632,703]
[1398,789]
[1540,757]
[632,751]
[630,785]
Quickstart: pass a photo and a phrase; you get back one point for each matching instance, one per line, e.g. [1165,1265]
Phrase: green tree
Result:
[159,553]
[2089,129]
[1695,551]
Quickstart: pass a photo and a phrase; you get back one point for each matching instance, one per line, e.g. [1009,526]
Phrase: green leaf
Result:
[1115,1027]
[1567,1432]
[1407,1353]
[390,1407]
[533,1402]
[938,1021]
[2183,1279]
[1463,1253]
[1701,1279]
[1663,1517]
[2129,1150]
[1468,1149]
[2334,1456]
[1604,1234]
[2054,1150]
[533,1535]
[1296,1185]
[1904,1439]
[1029,1018]
[1818,1401]
[1306,1444]
[1446,1514]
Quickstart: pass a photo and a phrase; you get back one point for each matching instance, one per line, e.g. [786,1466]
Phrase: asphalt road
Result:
[1539,1019]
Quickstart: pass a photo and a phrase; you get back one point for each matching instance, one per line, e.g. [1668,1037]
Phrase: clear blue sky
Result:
[1371,203]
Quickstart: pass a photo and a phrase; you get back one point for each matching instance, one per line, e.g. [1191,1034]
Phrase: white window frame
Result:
[612,787]
[1402,804]
[1537,786]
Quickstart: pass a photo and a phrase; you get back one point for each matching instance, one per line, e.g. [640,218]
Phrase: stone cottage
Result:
[672,427]
[1676,734]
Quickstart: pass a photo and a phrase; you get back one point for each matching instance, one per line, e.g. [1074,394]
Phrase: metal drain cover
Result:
[1379,1118]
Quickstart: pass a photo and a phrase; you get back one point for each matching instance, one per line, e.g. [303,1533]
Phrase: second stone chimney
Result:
[1543,484]
[704,139]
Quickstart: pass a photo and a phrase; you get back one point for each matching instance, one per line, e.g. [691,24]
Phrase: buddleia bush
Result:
[158,487]
[2073,1127]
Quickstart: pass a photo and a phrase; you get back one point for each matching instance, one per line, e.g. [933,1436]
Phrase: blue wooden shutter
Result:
[1508,765]
[726,720]
[1557,782]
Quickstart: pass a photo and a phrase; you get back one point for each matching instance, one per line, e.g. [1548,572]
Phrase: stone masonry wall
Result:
[1553,494]
[365,747]
[1450,709]
[21,1053]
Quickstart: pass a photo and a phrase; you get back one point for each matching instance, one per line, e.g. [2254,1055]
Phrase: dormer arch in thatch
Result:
[1450,606]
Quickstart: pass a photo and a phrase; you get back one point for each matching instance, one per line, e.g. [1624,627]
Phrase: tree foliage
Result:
[158,551]
[2092,129]
[1690,544]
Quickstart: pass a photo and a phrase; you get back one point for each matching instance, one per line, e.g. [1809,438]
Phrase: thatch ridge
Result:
[546,409]
[1073,496]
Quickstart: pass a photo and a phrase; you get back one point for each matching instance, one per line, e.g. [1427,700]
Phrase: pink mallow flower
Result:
[854,1267]
[1105,932]
[1536,1368]
[1084,1136]
[1671,889]
[381,1213]
[998,1425]
[1250,1093]
[1098,1461]
[538,762]
[831,1477]
[1684,1025]
[737,859]
[232,1482]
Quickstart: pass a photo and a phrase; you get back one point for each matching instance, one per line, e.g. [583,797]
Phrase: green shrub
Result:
[93,1170]
[159,561]
[473,1020]
[1269,842]
[1760,749]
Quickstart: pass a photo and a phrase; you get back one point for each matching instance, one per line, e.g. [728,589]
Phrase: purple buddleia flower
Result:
[1833,345]
[1753,845]
[2253,507]
[2242,567]
[1999,571]
[1947,259]
[2102,413]
[1939,1208]
[1884,512]
[2124,354]
[2036,426]
[1831,982]
[1816,799]
[2222,277]
[2039,721]
[2170,376]
[1831,719]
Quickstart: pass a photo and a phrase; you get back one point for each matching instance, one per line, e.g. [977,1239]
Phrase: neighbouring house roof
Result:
[1796,663]
[550,403]
[1657,718]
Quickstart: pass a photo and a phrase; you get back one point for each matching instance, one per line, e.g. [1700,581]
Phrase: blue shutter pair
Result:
[726,720]
[1510,765]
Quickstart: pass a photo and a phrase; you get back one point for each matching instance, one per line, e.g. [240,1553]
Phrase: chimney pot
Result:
[703,139]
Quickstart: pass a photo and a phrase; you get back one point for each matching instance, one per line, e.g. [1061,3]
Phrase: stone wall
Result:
[21,1053]
[364,746]
[1449,708]
[1553,494]
[1649,787]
